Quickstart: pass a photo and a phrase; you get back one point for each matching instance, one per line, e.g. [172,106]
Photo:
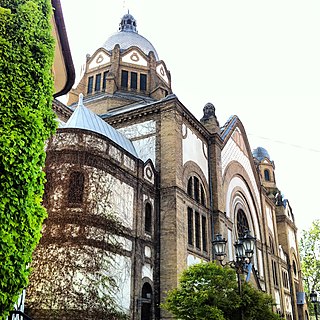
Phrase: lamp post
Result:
[314,300]
[244,248]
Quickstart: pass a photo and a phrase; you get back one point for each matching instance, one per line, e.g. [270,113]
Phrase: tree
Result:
[310,258]
[209,291]
[26,122]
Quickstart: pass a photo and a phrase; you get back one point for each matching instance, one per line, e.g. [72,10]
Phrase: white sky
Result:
[257,59]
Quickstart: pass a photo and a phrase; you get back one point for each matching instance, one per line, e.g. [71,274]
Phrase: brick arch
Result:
[234,168]
[237,175]
[294,260]
[239,201]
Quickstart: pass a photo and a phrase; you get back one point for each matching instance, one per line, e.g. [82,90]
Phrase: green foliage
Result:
[26,121]
[310,258]
[208,291]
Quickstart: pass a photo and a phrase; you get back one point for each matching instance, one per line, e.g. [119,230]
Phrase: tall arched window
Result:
[197,222]
[242,223]
[148,218]
[76,187]
[266,175]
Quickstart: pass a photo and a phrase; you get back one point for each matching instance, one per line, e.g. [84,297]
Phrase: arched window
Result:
[195,190]
[294,266]
[76,187]
[190,187]
[146,295]
[148,218]
[266,175]
[242,223]
[196,218]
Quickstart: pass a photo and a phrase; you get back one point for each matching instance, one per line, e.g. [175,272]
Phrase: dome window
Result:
[143,82]
[124,79]
[97,86]
[134,81]
[90,85]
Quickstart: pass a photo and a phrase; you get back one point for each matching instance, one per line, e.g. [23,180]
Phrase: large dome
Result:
[260,153]
[128,36]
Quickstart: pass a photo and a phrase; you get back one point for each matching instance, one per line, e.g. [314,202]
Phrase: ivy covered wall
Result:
[26,121]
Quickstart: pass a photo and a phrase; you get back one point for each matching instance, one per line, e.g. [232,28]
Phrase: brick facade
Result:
[199,177]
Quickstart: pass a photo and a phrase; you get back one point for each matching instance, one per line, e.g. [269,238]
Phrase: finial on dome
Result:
[80,102]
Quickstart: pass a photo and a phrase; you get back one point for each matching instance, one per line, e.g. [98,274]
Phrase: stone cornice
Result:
[59,108]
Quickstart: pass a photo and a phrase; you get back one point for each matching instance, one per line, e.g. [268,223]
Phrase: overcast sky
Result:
[257,59]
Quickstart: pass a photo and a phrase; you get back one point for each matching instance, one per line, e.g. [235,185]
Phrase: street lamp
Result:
[244,248]
[314,300]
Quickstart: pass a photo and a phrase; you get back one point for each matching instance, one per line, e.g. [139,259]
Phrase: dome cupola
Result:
[128,36]
[260,153]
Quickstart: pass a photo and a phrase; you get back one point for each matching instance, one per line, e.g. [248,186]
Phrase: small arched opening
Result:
[266,175]
[146,302]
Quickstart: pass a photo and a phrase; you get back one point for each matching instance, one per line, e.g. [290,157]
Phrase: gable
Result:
[134,57]
[237,137]
[98,59]
[236,150]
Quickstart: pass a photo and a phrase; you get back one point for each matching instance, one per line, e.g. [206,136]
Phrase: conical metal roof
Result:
[83,118]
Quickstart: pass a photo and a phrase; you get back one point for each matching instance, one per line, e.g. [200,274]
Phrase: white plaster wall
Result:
[232,152]
[260,261]
[146,148]
[237,182]
[143,138]
[139,129]
[123,280]
[230,245]
[147,271]
[269,219]
[292,239]
[191,260]
[108,194]
[194,149]
[147,251]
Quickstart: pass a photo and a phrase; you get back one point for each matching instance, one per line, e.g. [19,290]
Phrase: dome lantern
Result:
[128,23]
